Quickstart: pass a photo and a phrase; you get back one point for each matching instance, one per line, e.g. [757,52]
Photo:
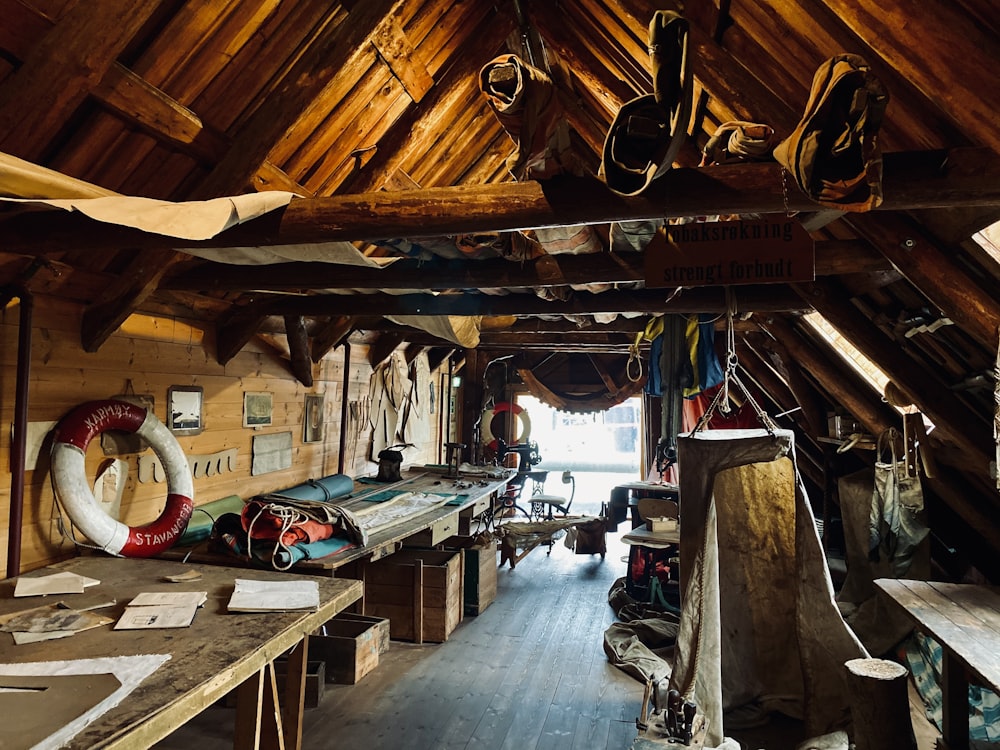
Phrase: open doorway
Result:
[602,449]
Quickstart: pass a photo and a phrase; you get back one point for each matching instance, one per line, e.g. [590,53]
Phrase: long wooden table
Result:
[476,495]
[217,653]
[965,620]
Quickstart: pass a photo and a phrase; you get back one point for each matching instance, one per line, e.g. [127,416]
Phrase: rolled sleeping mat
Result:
[327,488]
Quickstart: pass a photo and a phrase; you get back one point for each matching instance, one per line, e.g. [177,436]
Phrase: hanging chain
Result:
[721,399]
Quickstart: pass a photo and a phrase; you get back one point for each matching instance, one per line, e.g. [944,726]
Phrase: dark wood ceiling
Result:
[371,110]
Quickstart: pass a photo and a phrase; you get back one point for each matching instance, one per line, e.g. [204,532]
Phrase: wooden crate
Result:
[379,625]
[349,646]
[419,591]
[480,578]
[480,571]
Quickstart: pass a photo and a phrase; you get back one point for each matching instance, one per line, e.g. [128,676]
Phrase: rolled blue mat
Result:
[327,488]
[312,551]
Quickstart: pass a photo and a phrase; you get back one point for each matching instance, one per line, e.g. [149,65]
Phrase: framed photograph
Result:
[184,409]
[312,418]
[256,409]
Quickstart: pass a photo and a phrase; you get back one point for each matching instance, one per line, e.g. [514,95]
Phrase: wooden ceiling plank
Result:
[404,143]
[310,74]
[61,70]
[241,86]
[402,59]
[957,67]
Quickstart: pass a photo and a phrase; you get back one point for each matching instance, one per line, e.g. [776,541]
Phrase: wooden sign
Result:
[763,251]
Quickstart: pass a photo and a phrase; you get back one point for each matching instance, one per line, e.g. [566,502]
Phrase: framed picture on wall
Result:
[312,418]
[256,409]
[184,405]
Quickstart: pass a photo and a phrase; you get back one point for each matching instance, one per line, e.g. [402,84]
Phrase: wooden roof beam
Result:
[947,412]
[760,298]
[932,179]
[832,257]
[61,70]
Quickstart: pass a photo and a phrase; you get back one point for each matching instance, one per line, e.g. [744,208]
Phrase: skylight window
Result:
[864,366]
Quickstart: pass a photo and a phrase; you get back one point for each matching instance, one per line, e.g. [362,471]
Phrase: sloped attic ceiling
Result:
[372,111]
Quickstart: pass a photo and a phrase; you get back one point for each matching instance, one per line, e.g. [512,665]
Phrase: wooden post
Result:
[880,707]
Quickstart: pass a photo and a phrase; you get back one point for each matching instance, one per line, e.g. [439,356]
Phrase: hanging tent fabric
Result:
[759,628]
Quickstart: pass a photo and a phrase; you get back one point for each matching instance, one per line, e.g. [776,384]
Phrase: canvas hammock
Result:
[759,629]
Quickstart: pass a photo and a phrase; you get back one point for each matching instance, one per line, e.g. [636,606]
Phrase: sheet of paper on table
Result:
[274,596]
[161,609]
[65,582]
[169,599]
[156,616]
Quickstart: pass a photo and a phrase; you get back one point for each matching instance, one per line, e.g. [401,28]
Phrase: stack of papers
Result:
[161,609]
[274,596]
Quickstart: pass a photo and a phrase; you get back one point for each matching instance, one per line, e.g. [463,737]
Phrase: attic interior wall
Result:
[156,353]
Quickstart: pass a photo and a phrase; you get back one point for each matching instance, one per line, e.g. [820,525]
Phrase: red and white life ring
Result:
[500,408]
[69,449]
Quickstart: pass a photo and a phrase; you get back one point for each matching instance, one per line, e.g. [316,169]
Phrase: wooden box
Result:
[349,646]
[419,591]
[480,571]
[480,578]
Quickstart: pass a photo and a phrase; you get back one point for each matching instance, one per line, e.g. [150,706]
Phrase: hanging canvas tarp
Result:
[759,629]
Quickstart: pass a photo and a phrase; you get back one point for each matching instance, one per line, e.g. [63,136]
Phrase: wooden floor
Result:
[528,674]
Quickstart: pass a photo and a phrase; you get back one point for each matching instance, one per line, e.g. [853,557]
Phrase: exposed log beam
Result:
[763,298]
[298,349]
[121,298]
[233,331]
[381,348]
[933,270]
[932,179]
[832,257]
[947,412]
[776,357]
[330,335]
[872,413]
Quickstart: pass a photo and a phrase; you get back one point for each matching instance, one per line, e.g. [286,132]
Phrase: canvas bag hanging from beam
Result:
[754,580]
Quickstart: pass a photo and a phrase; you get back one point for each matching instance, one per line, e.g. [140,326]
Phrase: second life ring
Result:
[500,408]
[69,449]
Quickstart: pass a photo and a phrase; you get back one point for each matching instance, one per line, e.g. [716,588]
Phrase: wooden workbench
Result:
[965,620]
[427,529]
[217,653]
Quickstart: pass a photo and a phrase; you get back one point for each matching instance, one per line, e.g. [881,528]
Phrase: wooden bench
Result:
[965,620]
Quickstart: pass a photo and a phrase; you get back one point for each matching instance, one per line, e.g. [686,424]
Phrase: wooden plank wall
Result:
[156,353]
